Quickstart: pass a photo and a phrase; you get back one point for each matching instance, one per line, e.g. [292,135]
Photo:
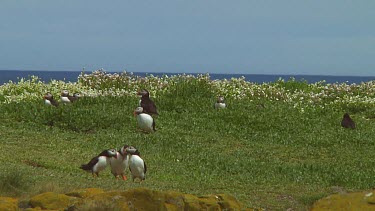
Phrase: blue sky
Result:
[316,37]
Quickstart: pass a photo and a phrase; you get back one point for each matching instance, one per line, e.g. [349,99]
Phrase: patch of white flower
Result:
[101,83]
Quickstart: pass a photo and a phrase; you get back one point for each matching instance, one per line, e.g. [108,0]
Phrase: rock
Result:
[145,199]
[346,201]
[37,209]
[84,193]
[52,201]
[139,198]
[8,204]
[228,202]
[174,200]
[133,199]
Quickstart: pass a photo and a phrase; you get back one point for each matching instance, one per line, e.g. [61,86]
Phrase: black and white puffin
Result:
[48,100]
[99,162]
[75,97]
[66,98]
[137,165]
[119,164]
[145,121]
[146,103]
[347,122]
[220,103]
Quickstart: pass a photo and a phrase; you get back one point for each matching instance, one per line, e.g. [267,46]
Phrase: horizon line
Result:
[145,72]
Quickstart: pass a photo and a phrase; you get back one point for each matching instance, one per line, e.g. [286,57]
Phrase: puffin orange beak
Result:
[44,97]
[135,114]
[116,156]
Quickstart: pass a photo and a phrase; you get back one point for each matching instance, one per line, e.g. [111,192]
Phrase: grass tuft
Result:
[97,206]
[14,182]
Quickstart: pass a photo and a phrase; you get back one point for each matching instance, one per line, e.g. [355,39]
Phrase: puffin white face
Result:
[138,110]
[131,149]
[65,92]
[77,95]
[112,153]
[48,96]
[220,99]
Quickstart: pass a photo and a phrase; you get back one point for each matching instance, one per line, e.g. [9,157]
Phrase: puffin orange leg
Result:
[124,177]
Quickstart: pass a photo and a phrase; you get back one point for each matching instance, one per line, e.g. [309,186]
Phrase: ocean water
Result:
[46,76]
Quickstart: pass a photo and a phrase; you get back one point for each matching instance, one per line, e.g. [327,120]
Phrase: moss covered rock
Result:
[84,193]
[228,202]
[37,209]
[139,198]
[52,201]
[134,199]
[346,201]
[8,204]
[146,199]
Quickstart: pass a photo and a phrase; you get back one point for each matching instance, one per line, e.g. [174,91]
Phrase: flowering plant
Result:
[100,83]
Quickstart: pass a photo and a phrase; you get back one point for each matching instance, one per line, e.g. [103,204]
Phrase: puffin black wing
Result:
[148,106]
[54,102]
[104,153]
[347,122]
[90,165]
[144,163]
[73,98]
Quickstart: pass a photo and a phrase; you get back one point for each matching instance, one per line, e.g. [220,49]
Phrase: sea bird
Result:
[220,103]
[347,122]
[75,97]
[48,100]
[100,162]
[137,165]
[66,98]
[145,121]
[119,165]
[146,103]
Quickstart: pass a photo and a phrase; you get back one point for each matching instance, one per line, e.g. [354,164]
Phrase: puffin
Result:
[66,98]
[220,103]
[75,97]
[120,163]
[146,103]
[145,121]
[137,165]
[347,122]
[100,162]
[48,100]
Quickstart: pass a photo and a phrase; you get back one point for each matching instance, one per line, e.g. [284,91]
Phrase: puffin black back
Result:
[347,122]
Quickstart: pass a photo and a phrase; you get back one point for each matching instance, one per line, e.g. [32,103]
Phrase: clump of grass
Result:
[293,85]
[96,206]
[47,187]
[187,93]
[87,115]
[14,182]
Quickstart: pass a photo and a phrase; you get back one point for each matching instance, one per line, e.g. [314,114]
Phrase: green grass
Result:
[273,157]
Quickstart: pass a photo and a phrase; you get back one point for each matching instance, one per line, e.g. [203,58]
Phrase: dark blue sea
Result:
[46,76]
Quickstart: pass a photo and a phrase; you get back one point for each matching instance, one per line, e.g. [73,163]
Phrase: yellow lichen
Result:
[344,201]
[8,204]
[51,200]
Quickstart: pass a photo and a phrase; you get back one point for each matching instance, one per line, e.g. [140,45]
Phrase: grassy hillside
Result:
[277,146]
